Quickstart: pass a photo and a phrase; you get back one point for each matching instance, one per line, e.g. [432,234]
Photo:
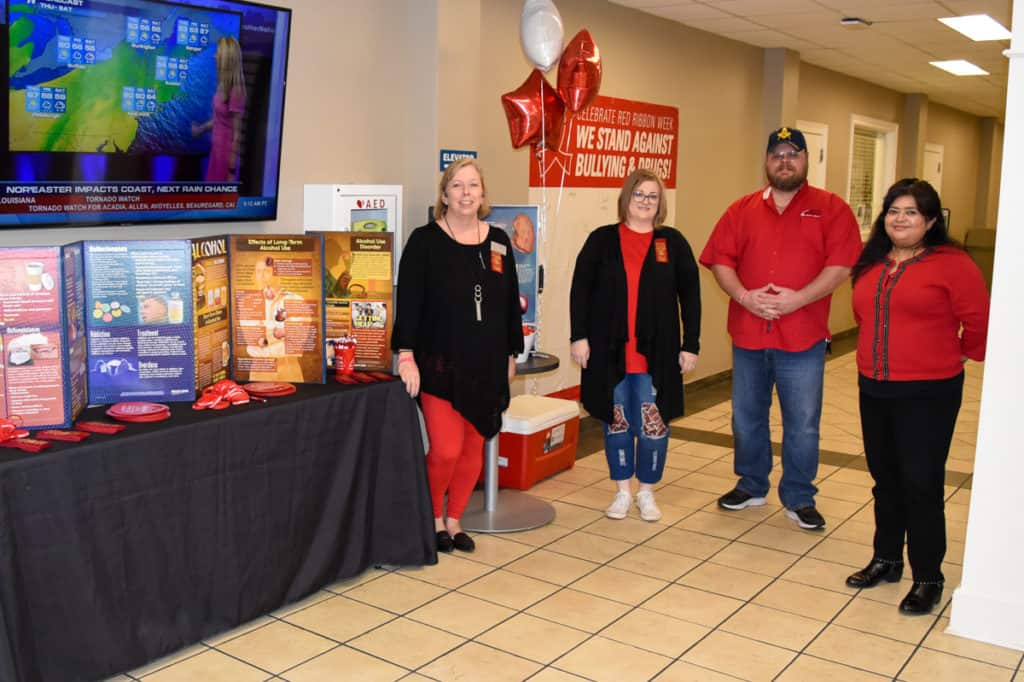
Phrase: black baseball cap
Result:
[790,136]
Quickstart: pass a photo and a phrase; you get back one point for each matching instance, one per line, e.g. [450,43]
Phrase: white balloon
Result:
[541,33]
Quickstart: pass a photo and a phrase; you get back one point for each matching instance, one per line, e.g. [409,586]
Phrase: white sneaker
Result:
[619,506]
[648,509]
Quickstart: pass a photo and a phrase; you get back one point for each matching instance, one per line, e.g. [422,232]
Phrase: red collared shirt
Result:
[917,322]
[789,249]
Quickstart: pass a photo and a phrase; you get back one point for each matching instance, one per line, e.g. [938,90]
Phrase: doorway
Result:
[816,135]
[932,171]
[873,145]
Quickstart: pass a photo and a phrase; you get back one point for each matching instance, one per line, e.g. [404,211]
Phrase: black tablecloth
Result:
[121,549]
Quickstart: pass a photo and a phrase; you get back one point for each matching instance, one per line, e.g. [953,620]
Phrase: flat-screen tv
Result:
[133,111]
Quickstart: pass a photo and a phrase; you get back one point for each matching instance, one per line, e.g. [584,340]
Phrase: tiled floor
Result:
[702,595]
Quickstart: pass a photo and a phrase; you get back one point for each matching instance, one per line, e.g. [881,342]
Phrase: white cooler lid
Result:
[527,414]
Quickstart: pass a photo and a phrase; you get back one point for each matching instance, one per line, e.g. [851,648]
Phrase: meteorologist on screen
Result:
[228,108]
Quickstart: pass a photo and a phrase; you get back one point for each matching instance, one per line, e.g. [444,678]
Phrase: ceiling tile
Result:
[920,31]
[786,20]
[754,8]
[681,13]
[859,7]
[645,4]
[769,38]
[894,11]
[724,26]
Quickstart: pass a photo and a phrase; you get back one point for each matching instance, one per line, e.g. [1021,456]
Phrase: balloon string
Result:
[570,123]
[542,226]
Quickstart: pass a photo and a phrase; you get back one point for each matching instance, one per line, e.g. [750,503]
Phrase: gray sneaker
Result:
[807,517]
[737,499]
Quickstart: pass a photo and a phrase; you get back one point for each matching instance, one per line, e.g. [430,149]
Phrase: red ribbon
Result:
[10,428]
[221,395]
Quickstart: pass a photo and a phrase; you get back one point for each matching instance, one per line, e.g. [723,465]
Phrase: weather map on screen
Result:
[113,108]
[112,77]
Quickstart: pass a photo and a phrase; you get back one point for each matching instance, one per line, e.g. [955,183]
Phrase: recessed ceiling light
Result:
[978,27]
[960,67]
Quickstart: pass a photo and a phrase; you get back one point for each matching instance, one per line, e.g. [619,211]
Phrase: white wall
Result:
[989,604]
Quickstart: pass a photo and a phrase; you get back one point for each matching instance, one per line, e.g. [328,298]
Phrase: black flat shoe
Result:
[445,543]
[875,572]
[922,598]
[463,542]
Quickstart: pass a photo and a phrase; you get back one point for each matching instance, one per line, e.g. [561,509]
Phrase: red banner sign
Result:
[607,141]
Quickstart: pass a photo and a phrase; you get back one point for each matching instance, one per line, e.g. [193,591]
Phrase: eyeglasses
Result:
[791,155]
[640,197]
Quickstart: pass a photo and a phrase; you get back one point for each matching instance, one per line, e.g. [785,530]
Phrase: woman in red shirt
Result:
[922,309]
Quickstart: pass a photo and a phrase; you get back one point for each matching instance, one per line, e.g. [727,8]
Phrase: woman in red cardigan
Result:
[922,308]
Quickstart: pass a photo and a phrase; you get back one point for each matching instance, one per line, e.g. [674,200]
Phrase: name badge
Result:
[811,213]
[498,248]
[497,264]
[660,251]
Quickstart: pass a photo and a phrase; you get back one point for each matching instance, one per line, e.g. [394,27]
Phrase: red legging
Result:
[455,458]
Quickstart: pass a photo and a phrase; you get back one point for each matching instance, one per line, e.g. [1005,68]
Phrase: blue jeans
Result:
[798,377]
[637,439]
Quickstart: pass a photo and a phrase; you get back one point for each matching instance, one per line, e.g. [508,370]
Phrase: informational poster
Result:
[139,321]
[277,307]
[520,223]
[37,303]
[211,303]
[358,296]
[607,141]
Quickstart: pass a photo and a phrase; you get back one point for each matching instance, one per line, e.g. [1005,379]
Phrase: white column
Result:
[989,604]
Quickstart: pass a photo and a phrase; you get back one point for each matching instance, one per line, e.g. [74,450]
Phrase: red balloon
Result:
[579,72]
[524,112]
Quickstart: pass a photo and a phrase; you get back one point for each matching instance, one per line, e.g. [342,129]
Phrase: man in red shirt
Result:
[779,253]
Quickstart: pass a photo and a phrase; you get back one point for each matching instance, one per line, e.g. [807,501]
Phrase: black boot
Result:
[922,598]
[875,572]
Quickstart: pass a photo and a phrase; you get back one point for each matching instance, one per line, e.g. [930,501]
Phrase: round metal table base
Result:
[514,511]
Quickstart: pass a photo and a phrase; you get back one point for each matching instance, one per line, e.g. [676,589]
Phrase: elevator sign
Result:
[450,156]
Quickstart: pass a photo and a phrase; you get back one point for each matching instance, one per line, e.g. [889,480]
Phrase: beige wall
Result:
[360,108]
[995,169]
[960,136]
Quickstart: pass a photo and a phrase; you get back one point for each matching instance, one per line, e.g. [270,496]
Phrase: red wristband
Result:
[407,358]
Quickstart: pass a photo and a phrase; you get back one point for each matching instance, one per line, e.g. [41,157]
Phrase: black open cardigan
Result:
[598,309]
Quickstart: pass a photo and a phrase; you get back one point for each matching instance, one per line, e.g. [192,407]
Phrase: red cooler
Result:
[538,438]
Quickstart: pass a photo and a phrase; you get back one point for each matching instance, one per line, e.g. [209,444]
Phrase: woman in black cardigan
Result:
[630,282]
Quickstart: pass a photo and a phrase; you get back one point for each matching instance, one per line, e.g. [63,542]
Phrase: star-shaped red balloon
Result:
[579,72]
[524,112]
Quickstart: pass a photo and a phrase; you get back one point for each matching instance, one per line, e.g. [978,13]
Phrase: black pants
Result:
[907,428]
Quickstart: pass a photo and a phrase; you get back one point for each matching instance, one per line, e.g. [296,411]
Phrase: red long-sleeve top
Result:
[635,246]
[919,320]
